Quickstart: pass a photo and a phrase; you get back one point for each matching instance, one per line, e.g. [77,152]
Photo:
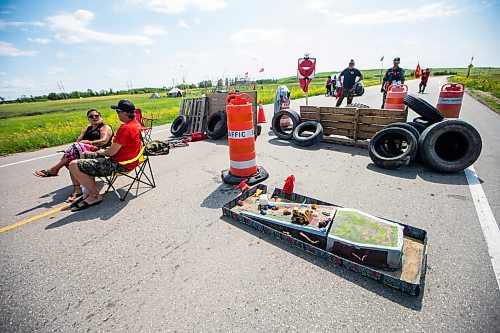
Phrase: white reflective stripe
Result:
[243,164]
[285,121]
[450,100]
[240,134]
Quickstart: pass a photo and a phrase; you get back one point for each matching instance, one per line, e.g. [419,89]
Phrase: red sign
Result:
[306,68]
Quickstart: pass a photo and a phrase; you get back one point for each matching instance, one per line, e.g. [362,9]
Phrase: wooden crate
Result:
[217,102]
[354,124]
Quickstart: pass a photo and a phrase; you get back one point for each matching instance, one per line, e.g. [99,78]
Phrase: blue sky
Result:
[111,44]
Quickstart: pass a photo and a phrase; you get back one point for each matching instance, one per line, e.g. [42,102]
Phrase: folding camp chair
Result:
[145,129]
[139,172]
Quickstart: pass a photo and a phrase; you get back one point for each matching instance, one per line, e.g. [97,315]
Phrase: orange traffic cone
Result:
[261,117]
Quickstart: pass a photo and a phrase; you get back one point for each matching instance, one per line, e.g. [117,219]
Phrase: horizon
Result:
[48,47]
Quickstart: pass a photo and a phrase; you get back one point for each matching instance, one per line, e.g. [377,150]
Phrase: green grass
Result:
[31,126]
[485,86]
[359,228]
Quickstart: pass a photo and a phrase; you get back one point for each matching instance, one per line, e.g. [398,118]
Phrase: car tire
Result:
[385,156]
[179,126]
[308,141]
[450,146]
[420,127]
[406,126]
[420,106]
[278,131]
[217,125]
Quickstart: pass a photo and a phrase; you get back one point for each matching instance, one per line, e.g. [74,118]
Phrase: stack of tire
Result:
[216,126]
[299,131]
[444,145]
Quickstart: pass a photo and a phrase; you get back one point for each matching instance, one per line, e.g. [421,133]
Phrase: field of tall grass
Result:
[484,86]
[31,126]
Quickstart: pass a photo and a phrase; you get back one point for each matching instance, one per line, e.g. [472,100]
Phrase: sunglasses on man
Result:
[93,116]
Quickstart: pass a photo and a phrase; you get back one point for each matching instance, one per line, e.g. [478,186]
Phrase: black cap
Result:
[397,59]
[125,106]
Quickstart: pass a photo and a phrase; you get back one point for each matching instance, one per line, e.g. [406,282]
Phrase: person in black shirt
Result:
[351,77]
[394,75]
[92,138]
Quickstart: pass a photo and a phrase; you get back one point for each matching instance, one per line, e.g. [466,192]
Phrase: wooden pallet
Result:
[355,125]
[195,110]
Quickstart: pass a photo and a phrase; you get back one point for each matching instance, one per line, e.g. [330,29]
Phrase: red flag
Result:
[261,70]
[418,71]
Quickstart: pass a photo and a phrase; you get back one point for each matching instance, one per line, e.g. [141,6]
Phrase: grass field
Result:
[31,126]
[484,86]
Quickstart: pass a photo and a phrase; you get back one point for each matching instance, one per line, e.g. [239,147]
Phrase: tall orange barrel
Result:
[240,129]
[395,96]
[450,99]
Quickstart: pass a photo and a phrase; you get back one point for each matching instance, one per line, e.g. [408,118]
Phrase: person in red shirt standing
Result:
[126,145]
[423,80]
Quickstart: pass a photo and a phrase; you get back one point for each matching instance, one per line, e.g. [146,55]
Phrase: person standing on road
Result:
[423,80]
[351,77]
[394,75]
[329,86]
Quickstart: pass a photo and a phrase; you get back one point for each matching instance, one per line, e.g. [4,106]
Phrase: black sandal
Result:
[75,196]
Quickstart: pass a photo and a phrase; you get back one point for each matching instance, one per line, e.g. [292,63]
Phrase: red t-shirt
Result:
[129,137]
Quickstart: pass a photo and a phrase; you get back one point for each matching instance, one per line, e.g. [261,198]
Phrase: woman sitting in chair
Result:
[96,136]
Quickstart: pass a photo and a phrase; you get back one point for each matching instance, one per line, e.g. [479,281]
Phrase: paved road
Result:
[165,261]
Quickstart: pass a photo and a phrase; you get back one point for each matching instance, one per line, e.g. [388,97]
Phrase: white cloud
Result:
[56,71]
[406,15]
[61,55]
[5,24]
[146,52]
[183,24]
[154,30]
[113,72]
[178,6]
[189,55]
[72,28]
[39,40]
[3,73]
[197,20]
[257,35]
[9,50]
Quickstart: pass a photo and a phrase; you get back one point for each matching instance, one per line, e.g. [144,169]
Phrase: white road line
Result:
[45,156]
[486,219]
[31,159]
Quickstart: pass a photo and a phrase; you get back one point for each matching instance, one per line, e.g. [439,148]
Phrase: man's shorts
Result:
[99,167]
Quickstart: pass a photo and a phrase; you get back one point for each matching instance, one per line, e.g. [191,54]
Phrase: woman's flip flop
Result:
[43,174]
[85,205]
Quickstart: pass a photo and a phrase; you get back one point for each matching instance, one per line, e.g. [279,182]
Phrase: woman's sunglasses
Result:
[94,116]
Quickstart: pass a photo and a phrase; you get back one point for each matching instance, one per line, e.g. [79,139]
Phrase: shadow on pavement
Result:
[220,196]
[396,296]
[415,170]
[105,211]
[59,196]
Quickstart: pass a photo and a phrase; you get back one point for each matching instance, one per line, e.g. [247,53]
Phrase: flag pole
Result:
[381,68]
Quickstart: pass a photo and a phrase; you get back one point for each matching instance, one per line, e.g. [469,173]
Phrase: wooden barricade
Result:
[195,110]
[351,126]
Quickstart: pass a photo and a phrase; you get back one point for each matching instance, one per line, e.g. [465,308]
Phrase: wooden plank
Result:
[343,132]
[337,117]
[338,124]
[333,110]
[345,141]
[370,128]
[382,113]
[378,120]
[365,135]
[356,124]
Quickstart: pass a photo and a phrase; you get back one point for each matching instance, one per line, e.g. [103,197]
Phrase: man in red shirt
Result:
[126,145]
[423,80]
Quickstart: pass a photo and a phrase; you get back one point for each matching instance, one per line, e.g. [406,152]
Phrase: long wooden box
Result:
[409,278]
[354,123]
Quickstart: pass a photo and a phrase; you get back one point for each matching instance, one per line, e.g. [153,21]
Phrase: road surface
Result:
[164,261]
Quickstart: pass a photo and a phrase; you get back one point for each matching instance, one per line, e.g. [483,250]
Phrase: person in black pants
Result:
[351,77]
[393,75]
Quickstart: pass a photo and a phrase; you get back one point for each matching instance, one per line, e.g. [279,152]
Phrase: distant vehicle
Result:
[358,91]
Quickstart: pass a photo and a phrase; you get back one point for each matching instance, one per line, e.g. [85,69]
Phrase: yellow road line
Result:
[34,218]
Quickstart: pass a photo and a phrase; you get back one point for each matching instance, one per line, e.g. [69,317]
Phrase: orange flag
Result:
[418,71]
